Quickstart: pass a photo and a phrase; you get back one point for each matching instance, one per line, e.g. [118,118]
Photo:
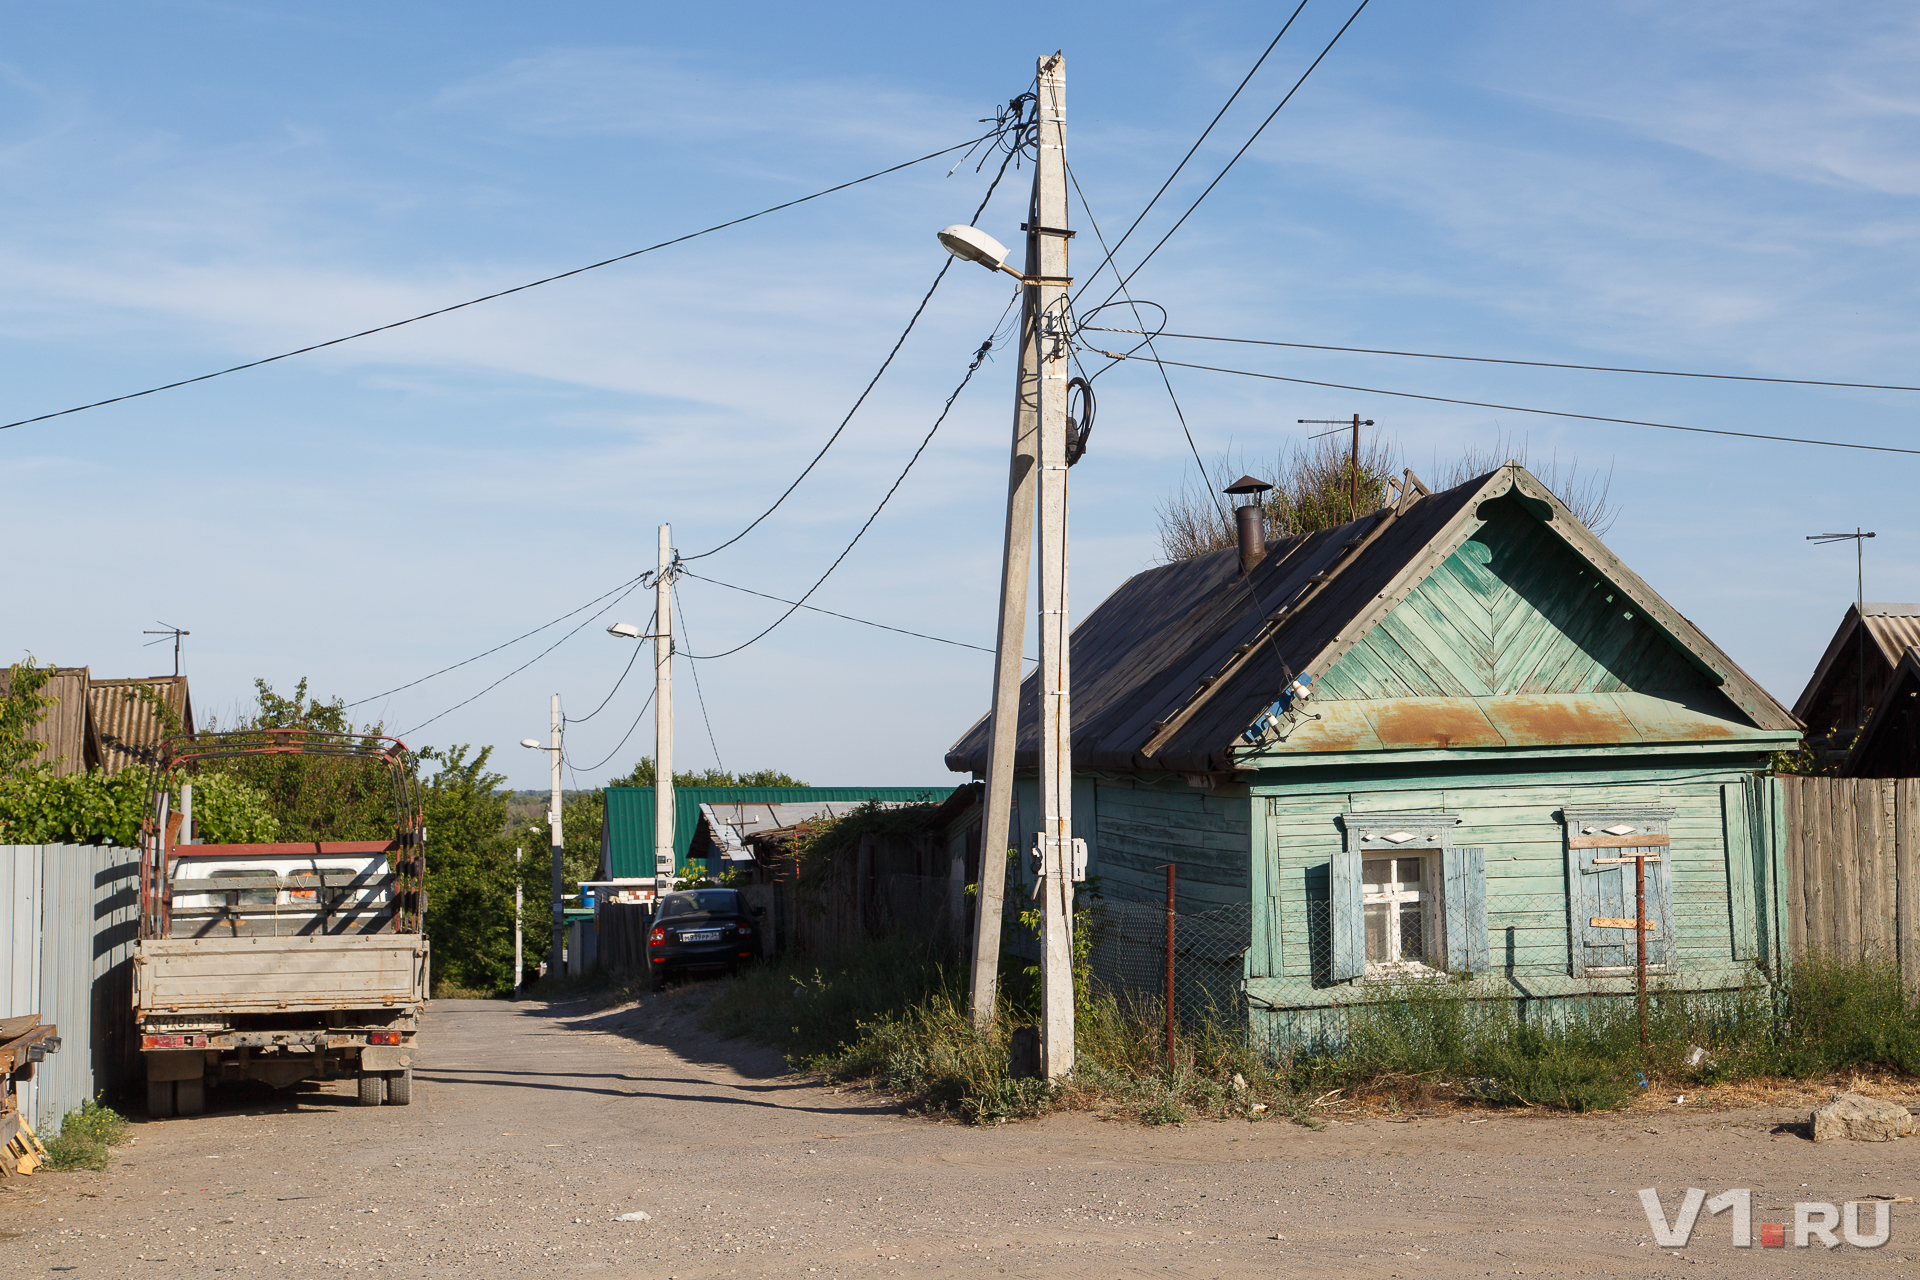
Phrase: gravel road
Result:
[535,1127]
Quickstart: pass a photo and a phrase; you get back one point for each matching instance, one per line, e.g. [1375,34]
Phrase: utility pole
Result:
[1353,455]
[663,856]
[1049,294]
[556,833]
[1860,609]
[518,906]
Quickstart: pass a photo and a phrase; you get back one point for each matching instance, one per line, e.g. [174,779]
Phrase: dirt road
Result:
[532,1131]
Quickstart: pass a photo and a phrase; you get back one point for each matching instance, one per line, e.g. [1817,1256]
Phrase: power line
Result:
[631,587]
[845,617]
[1236,155]
[589,768]
[878,374]
[693,666]
[978,357]
[1516,408]
[637,647]
[628,585]
[1532,364]
[1231,99]
[519,288]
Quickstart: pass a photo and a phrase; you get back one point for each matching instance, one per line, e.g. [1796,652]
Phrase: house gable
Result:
[1513,610]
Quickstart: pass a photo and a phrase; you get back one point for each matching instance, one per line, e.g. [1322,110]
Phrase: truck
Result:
[285,961]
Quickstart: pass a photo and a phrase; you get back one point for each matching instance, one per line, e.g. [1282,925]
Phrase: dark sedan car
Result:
[701,929]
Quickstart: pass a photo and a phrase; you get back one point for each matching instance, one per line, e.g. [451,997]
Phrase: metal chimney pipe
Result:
[1252,528]
[1249,520]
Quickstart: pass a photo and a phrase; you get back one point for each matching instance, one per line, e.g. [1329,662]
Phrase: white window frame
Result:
[1428,899]
[1406,833]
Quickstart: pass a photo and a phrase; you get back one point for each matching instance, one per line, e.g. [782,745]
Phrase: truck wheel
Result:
[159,1099]
[400,1088]
[190,1096]
[372,1088]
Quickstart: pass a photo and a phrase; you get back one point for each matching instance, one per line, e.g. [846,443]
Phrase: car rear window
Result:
[701,900]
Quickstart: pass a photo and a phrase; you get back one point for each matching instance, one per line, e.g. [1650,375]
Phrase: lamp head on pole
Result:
[529,742]
[971,244]
[626,629]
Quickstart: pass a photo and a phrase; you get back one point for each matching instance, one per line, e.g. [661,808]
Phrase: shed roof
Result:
[1891,629]
[133,716]
[1177,663]
[627,842]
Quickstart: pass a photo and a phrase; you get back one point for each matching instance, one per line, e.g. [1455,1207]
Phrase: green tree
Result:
[470,870]
[643,775]
[22,707]
[312,797]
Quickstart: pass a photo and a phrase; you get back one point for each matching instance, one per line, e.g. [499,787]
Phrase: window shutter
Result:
[1600,876]
[1465,897]
[1739,828]
[1348,927]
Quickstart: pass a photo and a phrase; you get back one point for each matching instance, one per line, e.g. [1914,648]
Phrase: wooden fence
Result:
[1852,863]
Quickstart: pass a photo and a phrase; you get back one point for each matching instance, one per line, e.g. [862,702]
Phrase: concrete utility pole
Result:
[518,906]
[1049,296]
[556,831]
[663,722]
[1037,478]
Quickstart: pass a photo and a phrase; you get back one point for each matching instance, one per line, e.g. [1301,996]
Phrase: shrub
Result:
[84,1137]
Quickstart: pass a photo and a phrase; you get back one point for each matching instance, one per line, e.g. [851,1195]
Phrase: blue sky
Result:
[1712,186]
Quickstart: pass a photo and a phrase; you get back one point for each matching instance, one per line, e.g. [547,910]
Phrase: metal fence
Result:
[68,920]
[1128,957]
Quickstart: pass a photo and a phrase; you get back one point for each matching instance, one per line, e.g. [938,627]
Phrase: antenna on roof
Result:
[1860,601]
[1353,463]
[176,633]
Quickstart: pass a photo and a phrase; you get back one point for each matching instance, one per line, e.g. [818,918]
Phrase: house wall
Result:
[1510,810]
[1141,826]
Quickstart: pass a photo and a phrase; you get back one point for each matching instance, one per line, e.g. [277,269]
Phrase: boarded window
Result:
[1603,847]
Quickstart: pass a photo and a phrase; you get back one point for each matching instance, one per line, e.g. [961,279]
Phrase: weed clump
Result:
[84,1138]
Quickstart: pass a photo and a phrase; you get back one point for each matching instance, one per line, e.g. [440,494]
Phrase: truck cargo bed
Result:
[279,975]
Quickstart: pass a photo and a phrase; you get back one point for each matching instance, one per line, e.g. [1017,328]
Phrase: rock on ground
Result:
[1861,1119]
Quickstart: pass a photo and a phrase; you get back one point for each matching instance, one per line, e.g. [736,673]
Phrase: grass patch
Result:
[895,1015]
[84,1138]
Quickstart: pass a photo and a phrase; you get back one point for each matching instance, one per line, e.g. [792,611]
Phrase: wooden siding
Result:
[1513,611]
[1141,827]
[1514,816]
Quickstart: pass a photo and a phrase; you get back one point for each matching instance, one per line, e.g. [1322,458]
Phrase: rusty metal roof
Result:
[1177,663]
[132,716]
[1516,720]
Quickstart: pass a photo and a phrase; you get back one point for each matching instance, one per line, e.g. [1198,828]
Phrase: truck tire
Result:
[159,1099]
[372,1088]
[400,1088]
[190,1096]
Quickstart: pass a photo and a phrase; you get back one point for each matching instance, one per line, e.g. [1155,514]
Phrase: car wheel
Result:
[190,1096]
[159,1099]
[373,1088]
[400,1088]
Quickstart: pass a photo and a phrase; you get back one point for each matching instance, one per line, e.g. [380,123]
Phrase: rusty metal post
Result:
[1169,998]
[1640,937]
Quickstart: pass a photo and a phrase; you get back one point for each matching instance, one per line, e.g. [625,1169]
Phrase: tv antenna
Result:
[1860,602]
[1353,459]
[176,633]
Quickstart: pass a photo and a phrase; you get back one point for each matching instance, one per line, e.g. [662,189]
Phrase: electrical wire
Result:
[979,357]
[519,288]
[693,666]
[1531,364]
[1178,413]
[1232,98]
[535,658]
[1516,408]
[873,382]
[845,617]
[638,645]
[628,584]
[589,768]
[1159,244]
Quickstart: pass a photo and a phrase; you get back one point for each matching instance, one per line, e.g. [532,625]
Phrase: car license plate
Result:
[709,935]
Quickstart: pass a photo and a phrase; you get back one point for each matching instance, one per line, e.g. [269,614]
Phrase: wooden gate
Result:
[1851,867]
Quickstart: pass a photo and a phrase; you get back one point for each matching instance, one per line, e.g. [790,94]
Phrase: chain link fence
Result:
[1128,958]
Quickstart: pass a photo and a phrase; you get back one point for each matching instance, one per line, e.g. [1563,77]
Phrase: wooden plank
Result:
[1817,883]
[1641,841]
[1873,844]
[1789,892]
[1850,876]
[1906,820]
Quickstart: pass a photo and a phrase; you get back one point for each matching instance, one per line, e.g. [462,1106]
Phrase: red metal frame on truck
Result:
[406,852]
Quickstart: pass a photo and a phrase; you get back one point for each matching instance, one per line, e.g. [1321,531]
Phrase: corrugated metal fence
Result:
[69,915]
[1853,856]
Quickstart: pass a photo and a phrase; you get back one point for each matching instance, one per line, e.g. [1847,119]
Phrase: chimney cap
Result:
[1247,484]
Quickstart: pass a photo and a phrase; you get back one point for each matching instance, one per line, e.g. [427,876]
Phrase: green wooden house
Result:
[1427,742]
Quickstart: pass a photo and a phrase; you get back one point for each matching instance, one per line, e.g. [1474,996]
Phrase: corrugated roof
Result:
[133,716]
[1893,628]
[628,839]
[70,746]
[1178,662]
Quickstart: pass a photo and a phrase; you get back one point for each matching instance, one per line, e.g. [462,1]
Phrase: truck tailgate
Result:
[279,975]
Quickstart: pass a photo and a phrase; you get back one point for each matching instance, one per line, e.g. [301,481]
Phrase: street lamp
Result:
[557,838]
[971,244]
